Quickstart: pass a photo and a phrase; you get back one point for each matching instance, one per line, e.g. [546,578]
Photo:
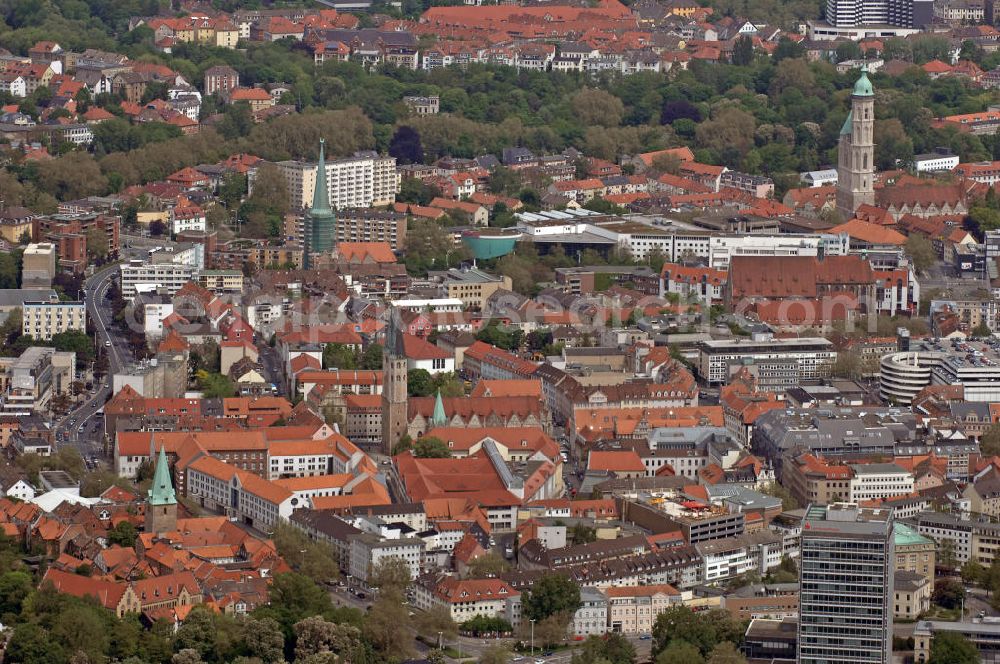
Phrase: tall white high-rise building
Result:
[363,180]
[897,13]
[846,585]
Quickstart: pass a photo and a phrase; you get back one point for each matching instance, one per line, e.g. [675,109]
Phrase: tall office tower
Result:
[846,585]
[856,152]
[394,384]
[321,221]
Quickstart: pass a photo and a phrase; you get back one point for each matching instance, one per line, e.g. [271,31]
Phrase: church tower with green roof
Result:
[321,221]
[439,418]
[856,151]
[161,501]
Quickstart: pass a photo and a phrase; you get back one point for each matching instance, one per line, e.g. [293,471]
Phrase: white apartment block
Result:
[642,235]
[309,458]
[34,378]
[368,551]
[592,616]
[189,219]
[728,557]
[723,248]
[934,161]
[42,320]
[141,277]
[813,356]
[300,464]
[15,86]
[362,181]
[879,480]
[467,598]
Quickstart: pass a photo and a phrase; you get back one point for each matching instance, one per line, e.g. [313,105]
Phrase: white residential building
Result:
[33,378]
[42,319]
[190,218]
[362,181]
[467,598]
[141,277]
[327,454]
[21,490]
[14,85]
[728,557]
[78,134]
[368,551]
[812,356]
[933,162]
[592,616]
[879,480]
[421,354]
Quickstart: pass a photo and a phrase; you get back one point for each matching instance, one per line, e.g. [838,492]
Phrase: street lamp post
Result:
[439,641]
[532,637]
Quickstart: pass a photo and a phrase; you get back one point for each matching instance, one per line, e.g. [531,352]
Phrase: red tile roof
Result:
[454,591]
[249,94]
[870,233]
[108,593]
[620,461]
[359,252]
[794,276]
[415,348]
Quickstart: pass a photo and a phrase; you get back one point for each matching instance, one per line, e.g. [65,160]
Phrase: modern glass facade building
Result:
[846,585]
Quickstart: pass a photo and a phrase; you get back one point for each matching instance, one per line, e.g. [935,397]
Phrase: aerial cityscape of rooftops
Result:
[500,332]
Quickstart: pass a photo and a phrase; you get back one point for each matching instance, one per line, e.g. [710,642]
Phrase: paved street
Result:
[271,361]
[942,277]
[82,427]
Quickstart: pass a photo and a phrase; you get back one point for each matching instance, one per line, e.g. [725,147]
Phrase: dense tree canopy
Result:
[551,595]
[774,115]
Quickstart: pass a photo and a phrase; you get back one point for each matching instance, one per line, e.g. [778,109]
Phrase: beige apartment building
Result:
[42,320]
[372,226]
[38,266]
[633,609]
[911,595]
[221,281]
[472,286]
[364,180]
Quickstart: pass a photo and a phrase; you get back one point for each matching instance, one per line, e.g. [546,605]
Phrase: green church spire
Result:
[439,418]
[320,221]
[321,195]
[162,491]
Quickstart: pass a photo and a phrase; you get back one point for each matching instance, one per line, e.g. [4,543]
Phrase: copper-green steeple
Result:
[439,418]
[321,195]
[162,491]
[321,219]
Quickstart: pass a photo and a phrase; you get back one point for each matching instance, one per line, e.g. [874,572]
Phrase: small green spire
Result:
[846,129]
[321,195]
[439,418]
[162,491]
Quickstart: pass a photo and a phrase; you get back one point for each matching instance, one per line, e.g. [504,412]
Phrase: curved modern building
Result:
[903,375]
[975,367]
[491,244]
